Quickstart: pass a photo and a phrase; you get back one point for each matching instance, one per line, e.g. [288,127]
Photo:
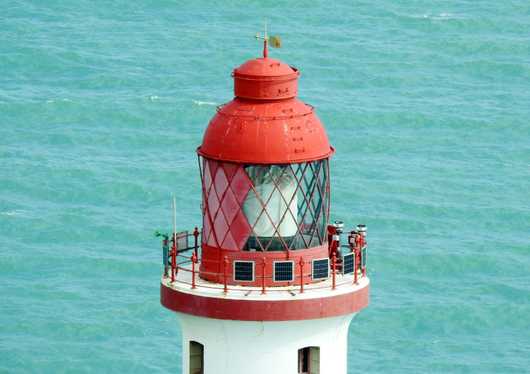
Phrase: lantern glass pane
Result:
[287,206]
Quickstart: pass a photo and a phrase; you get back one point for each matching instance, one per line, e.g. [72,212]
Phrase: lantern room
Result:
[264,164]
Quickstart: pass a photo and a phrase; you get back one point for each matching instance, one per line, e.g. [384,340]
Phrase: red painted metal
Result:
[264,310]
[333,270]
[211,266]
[355,265]
[263,272]
[196,242]
[265,79]
[301,263]
[173,258]
[165,243]
[359,241]
[193,262]
[225,274]
[265,123]
[332,231]
[282,132]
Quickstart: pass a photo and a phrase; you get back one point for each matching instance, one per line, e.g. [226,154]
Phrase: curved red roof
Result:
[265,123]
[265,67]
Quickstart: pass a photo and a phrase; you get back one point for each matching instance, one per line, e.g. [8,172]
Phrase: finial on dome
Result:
[275,41]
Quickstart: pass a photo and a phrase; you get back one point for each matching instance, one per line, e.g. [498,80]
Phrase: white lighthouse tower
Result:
[266,286]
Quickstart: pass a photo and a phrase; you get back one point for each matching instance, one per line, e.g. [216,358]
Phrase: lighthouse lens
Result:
[287,206]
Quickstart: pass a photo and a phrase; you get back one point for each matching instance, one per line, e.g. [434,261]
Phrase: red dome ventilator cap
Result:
[265,79]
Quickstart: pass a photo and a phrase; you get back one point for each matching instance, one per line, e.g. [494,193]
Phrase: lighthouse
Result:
[270,282]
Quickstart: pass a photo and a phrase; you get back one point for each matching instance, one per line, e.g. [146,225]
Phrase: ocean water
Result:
[102,104]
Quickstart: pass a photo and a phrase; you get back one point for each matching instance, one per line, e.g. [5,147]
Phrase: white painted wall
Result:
[242,347]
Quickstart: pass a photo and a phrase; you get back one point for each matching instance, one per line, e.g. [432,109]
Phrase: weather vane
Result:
[274,41]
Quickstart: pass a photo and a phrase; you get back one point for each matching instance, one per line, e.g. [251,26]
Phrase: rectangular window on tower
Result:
[309,360]
[196,358]
[283,271]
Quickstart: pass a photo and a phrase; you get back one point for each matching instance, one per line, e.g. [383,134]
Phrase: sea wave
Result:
[441,16]
[64,100]
[199,102]
[13,213]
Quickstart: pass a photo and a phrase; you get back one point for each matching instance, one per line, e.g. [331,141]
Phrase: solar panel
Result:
[283,271]
[363,257]
[348,261]
[244,271]
[182,241]
[166,253]
[321,268]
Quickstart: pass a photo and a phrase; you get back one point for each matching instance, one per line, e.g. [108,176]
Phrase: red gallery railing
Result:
[176,259]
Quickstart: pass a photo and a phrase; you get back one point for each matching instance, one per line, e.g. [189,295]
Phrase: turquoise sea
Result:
[102,104]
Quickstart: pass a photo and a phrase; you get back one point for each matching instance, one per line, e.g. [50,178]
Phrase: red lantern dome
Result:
[265,123]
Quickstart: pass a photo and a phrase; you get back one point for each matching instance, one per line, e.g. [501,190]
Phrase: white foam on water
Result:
[440,16]
[198,102]
[64,100]
[12,213]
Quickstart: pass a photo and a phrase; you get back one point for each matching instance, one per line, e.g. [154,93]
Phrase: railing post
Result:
[263,266]
[355,265]
[333,267]
[196,236]
[173,260]
[363,267]
[193,262]
[301,275]
[225,269]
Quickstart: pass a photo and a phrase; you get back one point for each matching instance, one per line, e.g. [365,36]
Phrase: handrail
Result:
[296,283]
[179,262]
